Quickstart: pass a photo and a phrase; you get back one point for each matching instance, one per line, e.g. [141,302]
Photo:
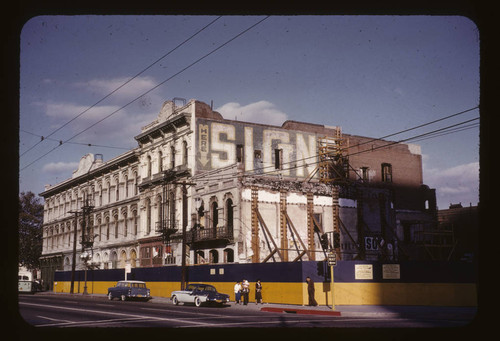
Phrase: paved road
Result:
[65,311]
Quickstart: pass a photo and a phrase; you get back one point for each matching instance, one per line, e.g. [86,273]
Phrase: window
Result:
[239,153]
[215,215]
[185,153]
[148,165]
[116,226]
[125,227]
[229,212]
[134,215]
[136,183]
[278,159]
[172,157]
[160,162]
[386,172]
[364,173]
[148,216]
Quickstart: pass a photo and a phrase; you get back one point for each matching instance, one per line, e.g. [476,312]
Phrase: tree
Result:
[30,230]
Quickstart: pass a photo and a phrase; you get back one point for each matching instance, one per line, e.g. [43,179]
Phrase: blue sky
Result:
[371,75]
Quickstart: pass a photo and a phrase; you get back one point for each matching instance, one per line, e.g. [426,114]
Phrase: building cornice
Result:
[107,167]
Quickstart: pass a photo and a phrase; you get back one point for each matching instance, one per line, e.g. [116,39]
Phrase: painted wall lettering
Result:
[261,149]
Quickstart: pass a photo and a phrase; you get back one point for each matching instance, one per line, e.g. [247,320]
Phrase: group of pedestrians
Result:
[242,291]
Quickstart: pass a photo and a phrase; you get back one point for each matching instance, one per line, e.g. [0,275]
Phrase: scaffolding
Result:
[333,160]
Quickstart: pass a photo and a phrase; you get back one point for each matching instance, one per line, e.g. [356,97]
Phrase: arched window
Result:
[114,260]
[125,224]
[136,183]
[184,153]
[148,216]
[214,257]
[160,161]
[229,214]
[228,256]
[200,257]
[133,258]
[172,156]
[123,259]
[107,228]
[134,218]
[148,165]
[126,186]
[214,215]
[109,192]
[116,225]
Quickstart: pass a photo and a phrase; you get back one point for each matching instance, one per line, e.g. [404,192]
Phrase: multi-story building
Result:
[237,192]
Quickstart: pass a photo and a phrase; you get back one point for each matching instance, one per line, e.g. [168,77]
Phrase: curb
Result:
[300,311]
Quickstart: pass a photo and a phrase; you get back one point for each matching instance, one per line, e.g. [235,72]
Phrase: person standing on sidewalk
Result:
[258,292]
[237,293]
[245,291]
[310,292]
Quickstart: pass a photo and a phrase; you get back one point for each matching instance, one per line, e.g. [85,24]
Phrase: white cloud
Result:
[455,184]
[68,111]
[60,167]
[134,88]
[258,112]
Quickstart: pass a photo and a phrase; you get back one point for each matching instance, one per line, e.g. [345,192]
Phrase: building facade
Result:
[238,192]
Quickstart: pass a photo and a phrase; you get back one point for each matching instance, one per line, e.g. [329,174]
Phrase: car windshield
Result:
[138,285]
[210,288]
[191,287]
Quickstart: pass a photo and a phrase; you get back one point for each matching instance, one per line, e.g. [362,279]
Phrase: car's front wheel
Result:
[197,301]
[110,296]
[175,300]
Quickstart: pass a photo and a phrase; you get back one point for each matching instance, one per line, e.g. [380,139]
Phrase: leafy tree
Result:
[30,230]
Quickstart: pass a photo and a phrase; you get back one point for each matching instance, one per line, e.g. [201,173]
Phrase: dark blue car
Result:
[129,289]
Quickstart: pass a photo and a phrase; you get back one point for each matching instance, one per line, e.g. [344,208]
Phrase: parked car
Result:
[199,294]
[129,289]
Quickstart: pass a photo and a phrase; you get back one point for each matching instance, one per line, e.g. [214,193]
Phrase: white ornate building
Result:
[237,192]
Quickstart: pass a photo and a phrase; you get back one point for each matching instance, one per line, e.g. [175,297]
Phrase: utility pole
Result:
[73,263]
[87,241]
[184,227]
[168,177]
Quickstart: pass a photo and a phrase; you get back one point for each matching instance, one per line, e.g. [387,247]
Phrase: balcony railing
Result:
[167,227]
[209,234]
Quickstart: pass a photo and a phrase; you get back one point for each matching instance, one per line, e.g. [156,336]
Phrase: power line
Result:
[416,127]
[42,138]
[121,86]
[423,136]
[435,133]
[145,93]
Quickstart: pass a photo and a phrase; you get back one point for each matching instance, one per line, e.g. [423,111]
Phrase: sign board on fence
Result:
[363,271]
[390,271]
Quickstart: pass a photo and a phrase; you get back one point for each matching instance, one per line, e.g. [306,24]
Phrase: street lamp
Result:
[85,256]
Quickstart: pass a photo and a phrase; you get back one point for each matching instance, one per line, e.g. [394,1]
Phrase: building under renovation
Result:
[199,188]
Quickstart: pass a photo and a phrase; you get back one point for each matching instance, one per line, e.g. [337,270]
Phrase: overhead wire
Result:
[150,90]
[435,133]
[77,143]
[122,85]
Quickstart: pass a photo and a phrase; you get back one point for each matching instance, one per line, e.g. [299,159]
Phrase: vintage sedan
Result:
[129,289]
[199,294]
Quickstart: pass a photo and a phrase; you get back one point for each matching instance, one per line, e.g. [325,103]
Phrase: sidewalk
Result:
[432,312]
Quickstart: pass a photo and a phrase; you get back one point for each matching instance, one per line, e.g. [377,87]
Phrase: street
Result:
[65,311]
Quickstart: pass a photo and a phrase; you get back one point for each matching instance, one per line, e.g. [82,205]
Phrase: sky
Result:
[371,75]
